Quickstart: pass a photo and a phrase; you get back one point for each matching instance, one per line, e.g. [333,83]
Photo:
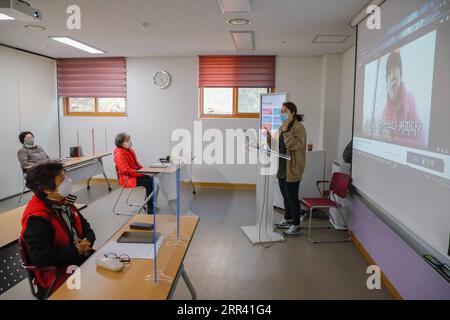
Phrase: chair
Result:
[26,264]
[339,185]
[24,188]
[127,199]
[10,271]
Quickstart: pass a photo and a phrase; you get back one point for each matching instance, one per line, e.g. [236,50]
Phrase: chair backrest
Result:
[10,271]
[340,184]
[24,253]
[26,262]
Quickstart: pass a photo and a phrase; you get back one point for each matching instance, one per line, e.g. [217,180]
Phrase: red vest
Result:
[36,207]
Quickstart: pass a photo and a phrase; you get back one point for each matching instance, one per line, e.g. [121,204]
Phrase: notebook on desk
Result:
[137,237]
[159,165]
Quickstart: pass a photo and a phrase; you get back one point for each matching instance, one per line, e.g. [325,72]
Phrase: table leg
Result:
[104,174]
[188,283]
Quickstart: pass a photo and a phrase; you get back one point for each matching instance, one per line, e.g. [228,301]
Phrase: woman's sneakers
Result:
[283,224]
[293,231]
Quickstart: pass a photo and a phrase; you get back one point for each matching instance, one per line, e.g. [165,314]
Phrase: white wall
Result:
[28,102]
[152,116]
[301,78]
[331,100]
[346,109]
[154,113]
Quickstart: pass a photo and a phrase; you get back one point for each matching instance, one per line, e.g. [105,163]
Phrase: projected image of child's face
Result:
[394,80]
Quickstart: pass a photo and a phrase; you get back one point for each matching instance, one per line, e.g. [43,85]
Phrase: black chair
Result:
[30,269]
[11,272]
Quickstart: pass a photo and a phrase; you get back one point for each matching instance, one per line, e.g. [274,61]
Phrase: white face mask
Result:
[65,188]
[29,142]
[128,145]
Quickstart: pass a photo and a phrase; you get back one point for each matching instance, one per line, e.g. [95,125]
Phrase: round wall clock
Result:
[161,79]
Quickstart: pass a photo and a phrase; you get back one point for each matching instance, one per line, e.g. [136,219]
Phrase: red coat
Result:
[126,166]
[36,207]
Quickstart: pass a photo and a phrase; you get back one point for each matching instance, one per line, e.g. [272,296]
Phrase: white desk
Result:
[86,167]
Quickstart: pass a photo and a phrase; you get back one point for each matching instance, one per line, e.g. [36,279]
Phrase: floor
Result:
[221,262]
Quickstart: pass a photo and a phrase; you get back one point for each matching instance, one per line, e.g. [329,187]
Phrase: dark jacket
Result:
[48,241]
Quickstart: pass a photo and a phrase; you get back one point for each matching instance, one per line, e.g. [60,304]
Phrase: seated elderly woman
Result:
[53,233]
[30,153]
[127,165]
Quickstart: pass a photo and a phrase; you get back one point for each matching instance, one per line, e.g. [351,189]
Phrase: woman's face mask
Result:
[128,144]
[284,117]
[29,142]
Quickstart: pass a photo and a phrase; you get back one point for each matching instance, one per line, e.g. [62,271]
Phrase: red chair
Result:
[26,264]
[339,185]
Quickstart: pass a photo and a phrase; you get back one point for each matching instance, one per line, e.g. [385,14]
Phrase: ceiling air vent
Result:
[334,38]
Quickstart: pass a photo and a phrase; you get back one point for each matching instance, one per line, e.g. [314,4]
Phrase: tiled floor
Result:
[222,263]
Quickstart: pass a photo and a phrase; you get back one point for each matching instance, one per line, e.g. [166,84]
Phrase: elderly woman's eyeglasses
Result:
[121,258]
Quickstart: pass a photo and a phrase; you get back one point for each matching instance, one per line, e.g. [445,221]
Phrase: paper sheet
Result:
[133,250]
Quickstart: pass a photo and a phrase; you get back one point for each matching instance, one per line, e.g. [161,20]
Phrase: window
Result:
[92,86]
[230,102]
[103,107]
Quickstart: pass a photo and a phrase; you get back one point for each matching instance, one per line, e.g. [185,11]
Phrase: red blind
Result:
[237,71]
[92,77]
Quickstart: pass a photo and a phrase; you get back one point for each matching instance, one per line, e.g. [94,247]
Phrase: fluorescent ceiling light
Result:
[19,10]
[5,17]
[77,44]
[243,40]
[234,6]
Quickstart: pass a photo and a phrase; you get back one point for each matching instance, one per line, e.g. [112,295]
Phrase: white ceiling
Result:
[185,27]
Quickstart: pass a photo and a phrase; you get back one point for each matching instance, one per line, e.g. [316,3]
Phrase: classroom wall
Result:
[28,102]
[346,107]
[410,275]
[329,108]
[153,113]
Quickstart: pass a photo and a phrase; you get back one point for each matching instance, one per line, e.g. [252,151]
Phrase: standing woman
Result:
[291,142]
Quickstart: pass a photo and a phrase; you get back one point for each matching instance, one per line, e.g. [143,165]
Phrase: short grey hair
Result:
[120,139]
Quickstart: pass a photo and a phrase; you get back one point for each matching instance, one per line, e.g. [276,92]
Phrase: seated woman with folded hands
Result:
[53,233]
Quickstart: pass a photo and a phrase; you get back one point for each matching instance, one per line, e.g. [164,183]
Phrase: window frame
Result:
[96,113]
[235,115]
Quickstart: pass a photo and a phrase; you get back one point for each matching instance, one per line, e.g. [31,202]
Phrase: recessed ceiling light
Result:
[238,22]
[5,17]
[34,27]
[76,44]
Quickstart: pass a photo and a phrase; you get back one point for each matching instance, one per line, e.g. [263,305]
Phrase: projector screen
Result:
[401,156]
